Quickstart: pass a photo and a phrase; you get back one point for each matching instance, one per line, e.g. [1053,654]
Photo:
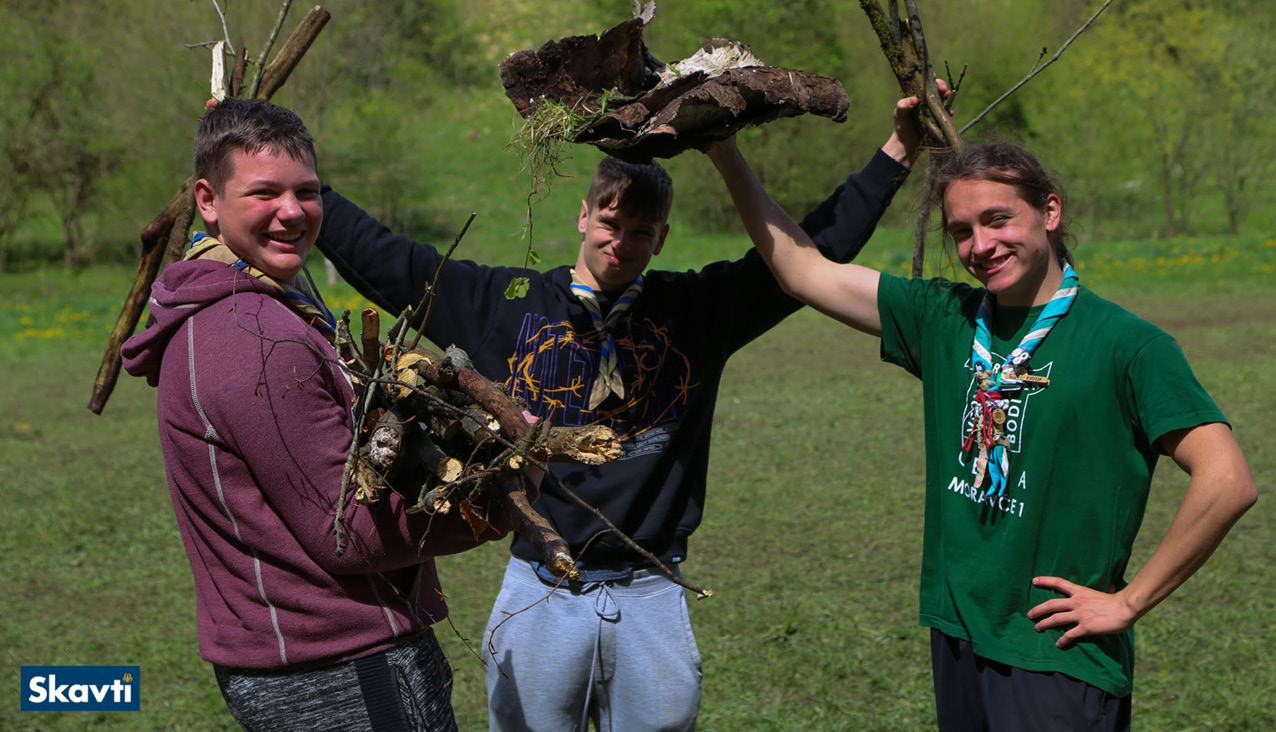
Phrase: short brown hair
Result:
[1003,162]
[637,189]
[249,125]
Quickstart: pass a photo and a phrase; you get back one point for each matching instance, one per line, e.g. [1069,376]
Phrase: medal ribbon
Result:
[608,380]
[985,432]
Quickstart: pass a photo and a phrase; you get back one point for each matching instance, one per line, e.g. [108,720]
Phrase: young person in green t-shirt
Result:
[1046,408]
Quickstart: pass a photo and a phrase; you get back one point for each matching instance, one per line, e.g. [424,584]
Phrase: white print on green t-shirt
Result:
[1003,503]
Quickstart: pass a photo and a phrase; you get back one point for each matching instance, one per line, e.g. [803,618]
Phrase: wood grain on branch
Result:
[241,66]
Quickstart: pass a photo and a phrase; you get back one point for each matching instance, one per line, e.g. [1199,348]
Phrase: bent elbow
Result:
[1249,497]
[1244,491]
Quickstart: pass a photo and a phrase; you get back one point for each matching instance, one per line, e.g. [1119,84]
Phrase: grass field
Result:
[811,539]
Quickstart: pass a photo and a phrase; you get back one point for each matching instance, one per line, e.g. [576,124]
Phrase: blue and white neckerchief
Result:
[989,410]
[302,296]
[608,380]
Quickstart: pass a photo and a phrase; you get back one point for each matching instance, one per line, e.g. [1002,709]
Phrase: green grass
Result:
[811,538]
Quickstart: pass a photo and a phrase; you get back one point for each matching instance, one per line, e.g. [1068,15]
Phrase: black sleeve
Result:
[745,295]
[843,223]
[389,269]
[393,271]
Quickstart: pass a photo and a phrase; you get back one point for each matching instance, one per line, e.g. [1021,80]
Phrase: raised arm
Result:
[1220,491]
[847,292]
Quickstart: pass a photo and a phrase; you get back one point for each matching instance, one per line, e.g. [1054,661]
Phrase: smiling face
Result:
[617,246]
[269,211]
[1003,241]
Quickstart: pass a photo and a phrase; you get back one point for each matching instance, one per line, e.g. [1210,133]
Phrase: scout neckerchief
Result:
[302,296]
[608,379]
[989,409]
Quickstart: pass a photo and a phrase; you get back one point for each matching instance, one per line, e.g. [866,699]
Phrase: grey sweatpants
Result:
[620,653]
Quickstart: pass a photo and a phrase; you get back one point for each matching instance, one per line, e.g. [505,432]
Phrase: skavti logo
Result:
[81,688]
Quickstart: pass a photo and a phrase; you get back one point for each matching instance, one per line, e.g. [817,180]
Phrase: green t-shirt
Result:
[1081,460]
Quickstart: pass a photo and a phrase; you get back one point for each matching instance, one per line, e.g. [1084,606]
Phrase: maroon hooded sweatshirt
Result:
[255,424]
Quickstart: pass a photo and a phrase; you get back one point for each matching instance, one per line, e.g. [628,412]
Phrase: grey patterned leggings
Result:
[404,689]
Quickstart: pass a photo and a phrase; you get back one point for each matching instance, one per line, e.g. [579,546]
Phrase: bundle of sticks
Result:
[446,437]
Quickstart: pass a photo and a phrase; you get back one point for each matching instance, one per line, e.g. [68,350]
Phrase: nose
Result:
[290,209]
[981,242]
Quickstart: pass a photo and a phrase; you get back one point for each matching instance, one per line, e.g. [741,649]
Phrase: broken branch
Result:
[290,55]
[154,245]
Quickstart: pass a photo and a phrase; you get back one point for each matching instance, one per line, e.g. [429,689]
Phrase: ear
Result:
[584,216]
[206,201]
[1053,212]
[660,243]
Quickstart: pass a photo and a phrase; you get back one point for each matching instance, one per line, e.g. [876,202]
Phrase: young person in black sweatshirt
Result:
[605,341]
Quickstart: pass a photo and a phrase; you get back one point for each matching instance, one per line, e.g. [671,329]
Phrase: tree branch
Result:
[1038,69]
[155,237]
[225,30]
[265,51]
[274,76]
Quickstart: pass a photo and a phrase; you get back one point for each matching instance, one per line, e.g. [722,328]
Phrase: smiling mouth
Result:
[994,265]
[287,237]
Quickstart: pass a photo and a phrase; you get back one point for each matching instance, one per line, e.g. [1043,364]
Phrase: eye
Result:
[960,234]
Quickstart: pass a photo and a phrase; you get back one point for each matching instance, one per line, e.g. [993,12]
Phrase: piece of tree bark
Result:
[638,116]
[695,110]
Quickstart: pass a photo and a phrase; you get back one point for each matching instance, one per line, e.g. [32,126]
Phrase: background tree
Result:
[1141,116]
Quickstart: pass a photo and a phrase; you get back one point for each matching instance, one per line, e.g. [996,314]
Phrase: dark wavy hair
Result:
[1003,162]
[249,125]
[637,189]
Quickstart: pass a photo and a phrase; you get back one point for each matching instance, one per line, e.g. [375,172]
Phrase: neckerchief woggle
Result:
[302,297]
[608,380]
[990,406]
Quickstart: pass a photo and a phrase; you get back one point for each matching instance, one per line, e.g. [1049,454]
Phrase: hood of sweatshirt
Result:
[185,288]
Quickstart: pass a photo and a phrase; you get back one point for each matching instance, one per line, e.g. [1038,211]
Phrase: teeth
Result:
[286,237]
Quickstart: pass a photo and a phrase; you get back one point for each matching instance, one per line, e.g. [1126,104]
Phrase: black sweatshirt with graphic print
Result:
[672,346]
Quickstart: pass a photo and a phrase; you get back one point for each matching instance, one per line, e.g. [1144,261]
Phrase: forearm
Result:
[847,292]
[389,269]
[787,249]
[842,224]
[1215,500]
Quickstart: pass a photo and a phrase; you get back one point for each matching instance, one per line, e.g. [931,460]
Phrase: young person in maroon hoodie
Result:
[255,423]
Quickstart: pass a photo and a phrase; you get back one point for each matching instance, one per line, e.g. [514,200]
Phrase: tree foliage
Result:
[1158,118]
